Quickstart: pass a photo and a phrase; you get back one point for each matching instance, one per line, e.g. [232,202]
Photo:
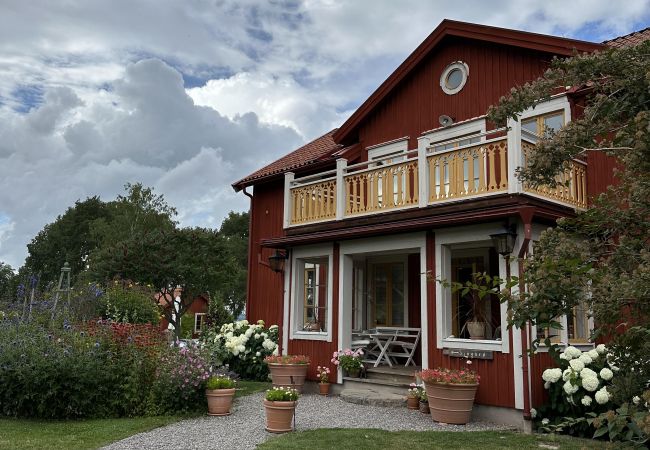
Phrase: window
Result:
[543,124]
[393,151]
[311,293]
[454,77]
[199,322]
[578,329]
[460,141]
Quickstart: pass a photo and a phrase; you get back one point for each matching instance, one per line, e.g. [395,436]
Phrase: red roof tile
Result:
[309,153]
[630,40]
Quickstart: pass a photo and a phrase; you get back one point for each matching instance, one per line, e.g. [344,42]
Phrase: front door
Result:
[387,294]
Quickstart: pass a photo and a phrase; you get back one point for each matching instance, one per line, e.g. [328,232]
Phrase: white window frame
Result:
[395,147]
[196,331]
[386,259]
[468,237]
[452,132]
[298,256]
[460,65]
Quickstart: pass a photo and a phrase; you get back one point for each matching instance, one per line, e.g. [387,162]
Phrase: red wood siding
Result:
[538,363]
[265,287]
[497,379]
[415,105]
[600,173]
[320,352]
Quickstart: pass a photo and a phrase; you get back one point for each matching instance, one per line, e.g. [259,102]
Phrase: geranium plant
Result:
[282,394]
[323,374]
[449,376]
[348,360]
[287,359]
[415,390]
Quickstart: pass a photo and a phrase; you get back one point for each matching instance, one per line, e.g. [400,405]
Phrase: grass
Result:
[344,439]
[25,434]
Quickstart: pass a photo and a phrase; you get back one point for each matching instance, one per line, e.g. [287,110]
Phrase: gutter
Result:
[526,216]
[250,249]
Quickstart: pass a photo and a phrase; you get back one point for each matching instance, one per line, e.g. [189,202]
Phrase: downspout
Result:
[526,215]
[250,250]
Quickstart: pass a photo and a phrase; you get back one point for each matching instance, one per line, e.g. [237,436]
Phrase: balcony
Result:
[425,177]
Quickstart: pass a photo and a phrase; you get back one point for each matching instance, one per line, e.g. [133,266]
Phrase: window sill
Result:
[311,336]
[473,344]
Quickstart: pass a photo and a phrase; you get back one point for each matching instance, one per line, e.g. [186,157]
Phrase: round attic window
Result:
[454,77]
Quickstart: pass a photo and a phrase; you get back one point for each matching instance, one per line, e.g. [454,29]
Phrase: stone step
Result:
[377,386]
[388,375]
[372,397]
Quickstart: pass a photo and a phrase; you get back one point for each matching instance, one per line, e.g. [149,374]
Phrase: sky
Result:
[189,96]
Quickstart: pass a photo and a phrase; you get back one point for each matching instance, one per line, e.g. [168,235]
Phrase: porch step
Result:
[376,386]
[372,397]
[403,376]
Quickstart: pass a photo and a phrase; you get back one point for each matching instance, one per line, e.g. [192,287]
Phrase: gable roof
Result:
[309,153]
[540,42]
[629,40]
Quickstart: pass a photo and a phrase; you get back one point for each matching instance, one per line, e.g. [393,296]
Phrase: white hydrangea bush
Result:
[242,346]
[579,384]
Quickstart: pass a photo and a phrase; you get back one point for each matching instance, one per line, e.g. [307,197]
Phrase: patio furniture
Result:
[386,343]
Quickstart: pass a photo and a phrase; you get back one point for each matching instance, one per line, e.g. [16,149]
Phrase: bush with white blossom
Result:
[242,346]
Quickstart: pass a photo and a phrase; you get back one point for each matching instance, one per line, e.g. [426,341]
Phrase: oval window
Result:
[454,77]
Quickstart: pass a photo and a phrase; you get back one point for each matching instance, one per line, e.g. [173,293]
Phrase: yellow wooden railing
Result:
[571,185]
[480,169]
[393,186]
[313,202]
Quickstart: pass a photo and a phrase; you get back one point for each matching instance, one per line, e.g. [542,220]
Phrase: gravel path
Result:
[244,429]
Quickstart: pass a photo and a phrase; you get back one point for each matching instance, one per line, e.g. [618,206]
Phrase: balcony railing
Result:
[423,177]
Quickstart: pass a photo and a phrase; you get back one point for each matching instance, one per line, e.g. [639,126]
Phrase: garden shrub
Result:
[130,303]
[101,370]
[242,346]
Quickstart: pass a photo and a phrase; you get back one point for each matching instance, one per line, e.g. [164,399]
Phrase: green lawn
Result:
[344,439]
[22,434]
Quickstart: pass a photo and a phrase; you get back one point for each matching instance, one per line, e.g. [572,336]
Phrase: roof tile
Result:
[629,40]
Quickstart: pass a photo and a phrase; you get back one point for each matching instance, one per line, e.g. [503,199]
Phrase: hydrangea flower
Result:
[601,349]
[636,399]
[545,422]
[585,359]
[586,400]
[533,413]
[593,354]
[606,374]
[566,374]
[570,388]
[552,375]
[587,373]
[602,396]
[590,383]
[572,353]
[576,365]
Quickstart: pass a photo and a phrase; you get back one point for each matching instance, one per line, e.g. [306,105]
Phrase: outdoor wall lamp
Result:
[504,242]
[276,261]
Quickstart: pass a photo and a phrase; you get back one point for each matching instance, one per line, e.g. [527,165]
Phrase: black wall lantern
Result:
[504,242]
[276,261]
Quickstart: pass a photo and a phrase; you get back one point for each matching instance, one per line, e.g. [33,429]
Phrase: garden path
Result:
[244,429]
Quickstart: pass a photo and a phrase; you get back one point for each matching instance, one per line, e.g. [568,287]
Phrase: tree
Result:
[234,269]
[68,238]
[7,276]
[178,261]
[600,257]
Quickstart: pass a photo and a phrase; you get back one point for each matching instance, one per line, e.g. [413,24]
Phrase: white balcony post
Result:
[288,179]
[515,156]
[423,173]
[341,164]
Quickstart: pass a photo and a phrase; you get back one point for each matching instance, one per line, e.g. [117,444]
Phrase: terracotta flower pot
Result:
[451,403]
[279,416]
[412,403]
[424,407]
[219,401]
[288,375]
[324,388]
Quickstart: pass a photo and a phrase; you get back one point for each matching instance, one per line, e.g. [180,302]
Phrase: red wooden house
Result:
[410,188]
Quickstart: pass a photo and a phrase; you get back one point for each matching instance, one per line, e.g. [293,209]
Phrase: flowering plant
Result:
[348,359]
[242,346]
[282,394]
[323,374]
[416,391]
[449,376]
[219,382]
[287,359]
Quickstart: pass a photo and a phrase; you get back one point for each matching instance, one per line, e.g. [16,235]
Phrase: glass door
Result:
[387,289]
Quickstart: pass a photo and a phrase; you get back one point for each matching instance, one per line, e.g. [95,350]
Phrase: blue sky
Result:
[189,96]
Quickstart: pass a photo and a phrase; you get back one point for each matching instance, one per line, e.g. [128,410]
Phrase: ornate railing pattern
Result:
[393,186]
[471,171]
[313,202]
[571,185]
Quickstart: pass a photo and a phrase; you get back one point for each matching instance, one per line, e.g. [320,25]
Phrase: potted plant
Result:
[288,370]
[219,391]
[323,377]
[351,361]
[413,396]
[280,407]
[423,402]
[450,393]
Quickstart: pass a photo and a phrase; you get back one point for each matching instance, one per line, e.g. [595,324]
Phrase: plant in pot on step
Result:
[413,396]
[350,361]
[288,370]
[423,402]
[280,407]
[219,391]
[451,393]
[324,378]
